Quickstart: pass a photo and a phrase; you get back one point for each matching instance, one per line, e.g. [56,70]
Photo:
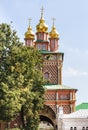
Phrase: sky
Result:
[72,25]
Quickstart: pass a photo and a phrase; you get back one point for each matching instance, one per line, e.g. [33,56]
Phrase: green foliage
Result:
[21,79]
[9,104]
[13,129]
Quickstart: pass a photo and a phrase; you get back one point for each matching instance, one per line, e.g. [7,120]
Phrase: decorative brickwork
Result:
[53,71]
[66,109]
[53,107]
[50,96]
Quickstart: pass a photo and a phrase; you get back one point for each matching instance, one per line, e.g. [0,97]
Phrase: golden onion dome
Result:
[29,34]
[53,33]
[42,27]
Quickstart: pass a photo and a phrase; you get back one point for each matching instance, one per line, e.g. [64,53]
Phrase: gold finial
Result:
[42,11]
[54,33]
[53,20]
[42,27]
[29,21]
[29,34]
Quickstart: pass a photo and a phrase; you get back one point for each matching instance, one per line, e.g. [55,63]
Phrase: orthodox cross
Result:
[42,11]
[29,21]
[53,20]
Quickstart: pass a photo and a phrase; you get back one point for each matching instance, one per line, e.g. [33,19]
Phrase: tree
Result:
[9,104]
[21,80]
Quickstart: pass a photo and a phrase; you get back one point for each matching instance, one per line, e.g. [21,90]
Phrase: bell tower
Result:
[57,95]
[42,42]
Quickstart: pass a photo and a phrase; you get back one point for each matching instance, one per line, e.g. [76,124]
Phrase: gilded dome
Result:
[42,27]
[53,33]
[29,34]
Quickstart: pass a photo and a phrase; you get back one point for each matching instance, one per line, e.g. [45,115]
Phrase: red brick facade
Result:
[48,43]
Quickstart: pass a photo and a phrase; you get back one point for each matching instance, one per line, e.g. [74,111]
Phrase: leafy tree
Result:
[21,80]
[9,95]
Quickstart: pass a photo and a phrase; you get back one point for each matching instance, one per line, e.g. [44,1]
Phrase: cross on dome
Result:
[53,20]
[29,21]
[42,12]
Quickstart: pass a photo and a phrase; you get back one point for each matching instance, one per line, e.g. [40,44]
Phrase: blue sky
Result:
[71,23]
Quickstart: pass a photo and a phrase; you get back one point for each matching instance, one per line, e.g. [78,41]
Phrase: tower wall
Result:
[48,43]
[57,96]
[52,65]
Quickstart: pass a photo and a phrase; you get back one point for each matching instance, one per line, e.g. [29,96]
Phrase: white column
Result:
[70,95]
[57,96]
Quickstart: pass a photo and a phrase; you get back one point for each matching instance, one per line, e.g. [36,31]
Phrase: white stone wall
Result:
[67,123]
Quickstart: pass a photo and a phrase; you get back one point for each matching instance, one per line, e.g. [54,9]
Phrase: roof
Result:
[78,114]
[82,106]
[58,87]
[41,41]
[50,52]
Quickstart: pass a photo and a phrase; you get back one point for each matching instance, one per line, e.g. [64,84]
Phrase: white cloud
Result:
[75,51]
[72,72]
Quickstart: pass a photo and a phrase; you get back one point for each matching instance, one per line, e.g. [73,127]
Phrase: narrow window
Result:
[43,47]
[75,128]
[83,128]
[71,128]
[46,75]
[86,128]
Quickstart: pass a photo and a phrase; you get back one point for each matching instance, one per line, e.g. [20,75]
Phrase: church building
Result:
[58,97]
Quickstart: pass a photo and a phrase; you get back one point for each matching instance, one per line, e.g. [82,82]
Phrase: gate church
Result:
[58,98]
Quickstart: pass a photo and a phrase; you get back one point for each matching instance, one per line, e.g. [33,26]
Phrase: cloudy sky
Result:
[71,23]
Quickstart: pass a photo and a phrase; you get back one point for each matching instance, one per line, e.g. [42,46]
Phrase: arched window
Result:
[44,47]
[75,128]
[46,75]
[71,128]
[83,128]
[86,128]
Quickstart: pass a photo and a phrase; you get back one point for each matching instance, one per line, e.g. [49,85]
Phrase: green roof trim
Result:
[58,87]
[42,41]
[50,52]
[82,106]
